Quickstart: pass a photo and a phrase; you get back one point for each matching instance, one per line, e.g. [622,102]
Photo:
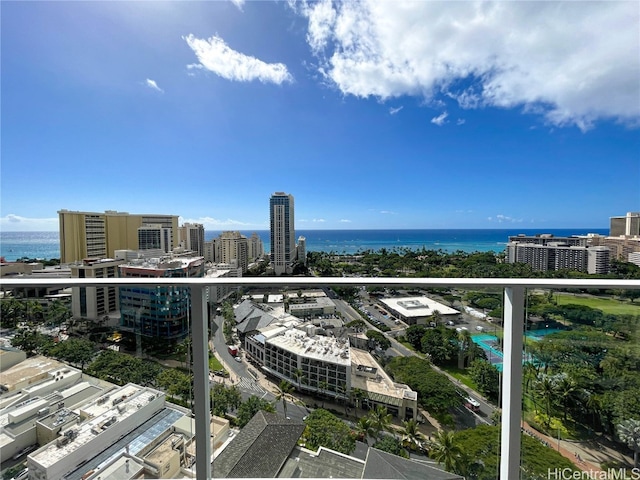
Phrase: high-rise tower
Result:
[283,232]
[99,235]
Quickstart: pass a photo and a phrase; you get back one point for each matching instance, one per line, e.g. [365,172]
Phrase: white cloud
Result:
[344,220]
[571,62]
[387,212]
[318,220]
[461,121]
[504,219]
[440,119]
[16,223]
[238,3]
[393,111]
[216,56]
[153,85]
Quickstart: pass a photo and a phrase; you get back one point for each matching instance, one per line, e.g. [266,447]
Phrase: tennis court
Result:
[491,345]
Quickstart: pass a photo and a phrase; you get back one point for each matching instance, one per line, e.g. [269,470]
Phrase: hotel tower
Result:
[283,232]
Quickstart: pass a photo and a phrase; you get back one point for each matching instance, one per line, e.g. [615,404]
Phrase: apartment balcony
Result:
[514,315]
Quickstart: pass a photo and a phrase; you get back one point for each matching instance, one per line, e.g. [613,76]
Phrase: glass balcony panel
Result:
[565,373]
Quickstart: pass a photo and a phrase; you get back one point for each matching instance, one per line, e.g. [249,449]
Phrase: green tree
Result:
[323,386]
[325,429]
[364,429]
[32,342]
[250,407]
[77,351]
[380,420]
[412,438]
[445,449]
[435,391]
[391,444]
[176,383]
[58,312]
[284,390]
[12,312]
[629,433]
[486,377]
[440,344]
[224,399]
[358,395]
[546,391]
[378,339]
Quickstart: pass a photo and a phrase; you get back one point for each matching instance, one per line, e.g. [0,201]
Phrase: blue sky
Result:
[372,114]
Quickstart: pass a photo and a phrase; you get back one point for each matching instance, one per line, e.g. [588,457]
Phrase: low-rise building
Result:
[417,310]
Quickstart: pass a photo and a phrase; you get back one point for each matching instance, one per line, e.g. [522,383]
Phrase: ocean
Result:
[46,245]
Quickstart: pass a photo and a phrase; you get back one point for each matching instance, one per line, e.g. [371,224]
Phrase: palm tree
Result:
[546,390]
[58,312]
[358,395]
[412,437]
[284,389]
[464,347]
[299,376]
[323,386]
[445,449]
[629,433]
[379,419]
[594,406]
[566,389]
[363,428]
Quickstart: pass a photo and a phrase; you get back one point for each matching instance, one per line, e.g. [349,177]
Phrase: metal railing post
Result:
[512,383]
[199,341]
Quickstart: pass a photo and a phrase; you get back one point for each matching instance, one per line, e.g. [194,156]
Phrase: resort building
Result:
[628,225]
[326,365]
[302,250]
[232,247]
[155,237]
[417,310]
[93,303]
[283,232]
[555,256]
[98,235]
[191,237]
[256,247]
[621,248]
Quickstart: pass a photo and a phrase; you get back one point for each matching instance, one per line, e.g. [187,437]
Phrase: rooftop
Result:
[381,384]
[326,349]
[417,306]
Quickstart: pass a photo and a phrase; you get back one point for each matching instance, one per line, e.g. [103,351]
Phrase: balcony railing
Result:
[514,318]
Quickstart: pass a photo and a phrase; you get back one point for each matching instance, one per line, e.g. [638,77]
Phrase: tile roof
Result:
[260,449]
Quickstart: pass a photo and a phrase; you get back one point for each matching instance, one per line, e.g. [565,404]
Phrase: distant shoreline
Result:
[46,245]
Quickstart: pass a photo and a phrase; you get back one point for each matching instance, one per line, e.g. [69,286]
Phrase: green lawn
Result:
[460,375]
[214,363]
[607,305]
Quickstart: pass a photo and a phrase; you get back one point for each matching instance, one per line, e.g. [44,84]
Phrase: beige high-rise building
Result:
[98,235]
[233,246]
[191,237]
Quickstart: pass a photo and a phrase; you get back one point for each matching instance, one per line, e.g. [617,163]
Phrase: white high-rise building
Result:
[302,250]
[283,232]
[256,247]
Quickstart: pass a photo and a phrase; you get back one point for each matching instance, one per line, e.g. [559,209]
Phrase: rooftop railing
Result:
[514,291]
